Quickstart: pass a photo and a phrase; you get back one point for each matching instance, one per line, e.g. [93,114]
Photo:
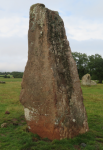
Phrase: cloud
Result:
[22,7]
[82,19]
[90,47]
[9,67]
[81,29]
[76,28]
[81,8]
[15,26]
[88,9]
[13,53]
[13,46]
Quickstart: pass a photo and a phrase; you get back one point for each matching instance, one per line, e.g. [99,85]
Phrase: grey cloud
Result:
[9,67]
[14,50]
[90,47]
[22,8]
[13,53]
[13,46]
[89,9]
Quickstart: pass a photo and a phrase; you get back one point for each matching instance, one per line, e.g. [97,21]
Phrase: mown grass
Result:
[16,136]
[10,79]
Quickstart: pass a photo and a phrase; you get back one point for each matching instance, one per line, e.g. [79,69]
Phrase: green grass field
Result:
[16,136]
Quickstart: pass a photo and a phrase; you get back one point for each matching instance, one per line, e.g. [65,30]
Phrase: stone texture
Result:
[93,82]
[2,82]
[7,112]
[3,125]
[51,93]
[86,80]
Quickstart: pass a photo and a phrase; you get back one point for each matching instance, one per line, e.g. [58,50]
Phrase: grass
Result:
[10,79]
[16,136]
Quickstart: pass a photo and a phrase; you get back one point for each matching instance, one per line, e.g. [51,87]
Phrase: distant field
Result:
[7,75]
[16,136]
[11,79]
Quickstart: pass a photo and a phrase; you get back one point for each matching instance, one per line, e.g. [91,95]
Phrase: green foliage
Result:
[14,74]
[5,76]
[17,137]
[4,73]
[89,64]
[96,66]
[17,74]
[94,77]
[82,63]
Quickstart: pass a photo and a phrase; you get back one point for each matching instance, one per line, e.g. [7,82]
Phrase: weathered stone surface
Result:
[93,82]
[7,112]
[3,125]
[2,82]
[51,93]
[86,80]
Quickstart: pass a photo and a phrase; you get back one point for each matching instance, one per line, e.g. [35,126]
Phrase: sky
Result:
[83,20]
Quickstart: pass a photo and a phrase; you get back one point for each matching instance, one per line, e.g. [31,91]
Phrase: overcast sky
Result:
[83,20]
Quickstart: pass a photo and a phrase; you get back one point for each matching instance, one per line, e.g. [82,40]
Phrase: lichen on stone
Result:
[38,18]
[51,96]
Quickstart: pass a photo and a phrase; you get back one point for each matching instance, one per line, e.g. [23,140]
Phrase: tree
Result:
[5,76]
[17,74]
[96,66]
[82,63]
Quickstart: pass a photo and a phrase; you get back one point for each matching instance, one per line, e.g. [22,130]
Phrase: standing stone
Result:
[2,82]
[3,125]
[93,82]
[86,80]
[51,93]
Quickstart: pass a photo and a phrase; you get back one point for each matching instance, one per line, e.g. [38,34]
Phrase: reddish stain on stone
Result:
[51,93]
[7,112]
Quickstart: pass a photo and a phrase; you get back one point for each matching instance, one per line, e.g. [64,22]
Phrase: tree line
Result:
[14,74]
[85,64]
[89,64]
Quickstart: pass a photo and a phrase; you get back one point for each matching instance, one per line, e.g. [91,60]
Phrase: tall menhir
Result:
[51,93]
